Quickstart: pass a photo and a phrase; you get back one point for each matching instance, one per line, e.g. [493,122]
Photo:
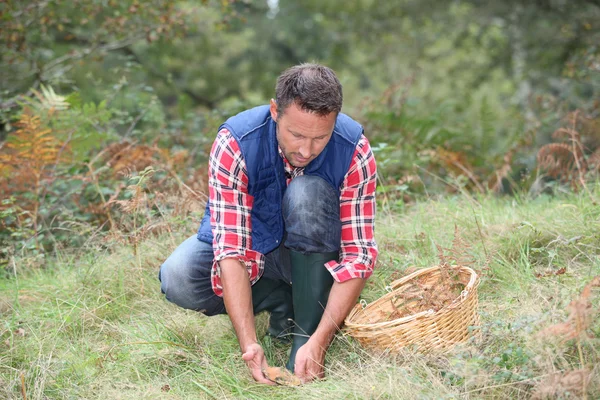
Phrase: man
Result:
[288,227]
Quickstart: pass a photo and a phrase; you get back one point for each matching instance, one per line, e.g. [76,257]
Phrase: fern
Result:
[556,160]
[50,100]
[28,152]
[565,161]
[27,162]
[594,160]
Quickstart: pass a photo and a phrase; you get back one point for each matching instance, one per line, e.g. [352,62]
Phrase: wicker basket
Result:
[428,330]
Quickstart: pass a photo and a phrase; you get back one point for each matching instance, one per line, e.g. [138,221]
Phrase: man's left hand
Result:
[310,359]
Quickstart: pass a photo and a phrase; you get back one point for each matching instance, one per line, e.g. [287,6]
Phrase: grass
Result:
[92,324]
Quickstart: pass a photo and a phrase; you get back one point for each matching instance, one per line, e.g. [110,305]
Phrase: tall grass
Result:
[92,323]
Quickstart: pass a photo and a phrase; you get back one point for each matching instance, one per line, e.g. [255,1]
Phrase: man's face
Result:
[302,135]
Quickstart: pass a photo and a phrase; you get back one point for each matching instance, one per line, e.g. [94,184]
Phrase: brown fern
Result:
[556,160]
[495,181]
[456,163]
[580,316]
[565,161]
[594,160]
[577,327]
[563,385]
[457,254]
[29,152]
[27,163]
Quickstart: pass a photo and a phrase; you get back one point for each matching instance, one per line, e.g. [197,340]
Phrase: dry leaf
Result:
[20,332]
[281,376]
[559,271]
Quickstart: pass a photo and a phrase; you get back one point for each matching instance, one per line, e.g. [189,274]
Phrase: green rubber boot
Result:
[275,297]
[311,283]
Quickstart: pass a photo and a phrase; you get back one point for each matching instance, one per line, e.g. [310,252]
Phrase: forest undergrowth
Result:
[85,229]
[91,323]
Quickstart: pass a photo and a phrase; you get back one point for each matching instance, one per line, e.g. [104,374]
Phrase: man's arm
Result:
[236,265]
[237,295]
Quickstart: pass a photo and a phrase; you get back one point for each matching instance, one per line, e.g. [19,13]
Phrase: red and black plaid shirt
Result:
[230,206]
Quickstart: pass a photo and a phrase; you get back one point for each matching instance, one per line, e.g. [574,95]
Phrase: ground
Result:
[92,323]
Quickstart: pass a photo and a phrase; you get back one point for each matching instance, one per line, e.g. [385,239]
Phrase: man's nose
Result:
[304,149]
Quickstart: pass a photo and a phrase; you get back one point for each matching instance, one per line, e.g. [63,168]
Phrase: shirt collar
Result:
[289,168]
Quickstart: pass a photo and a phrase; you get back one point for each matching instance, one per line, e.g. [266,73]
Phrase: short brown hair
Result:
[313,87]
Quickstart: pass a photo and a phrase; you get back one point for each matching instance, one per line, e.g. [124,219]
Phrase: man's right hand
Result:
[256,362]
[237,296]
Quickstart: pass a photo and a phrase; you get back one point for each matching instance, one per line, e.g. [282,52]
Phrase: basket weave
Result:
[429,330]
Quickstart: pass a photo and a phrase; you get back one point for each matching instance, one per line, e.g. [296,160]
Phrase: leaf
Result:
[74,100]
[281,376]
[50,100]
[560,271]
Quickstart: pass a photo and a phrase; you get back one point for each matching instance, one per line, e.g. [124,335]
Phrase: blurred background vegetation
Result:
[108,108]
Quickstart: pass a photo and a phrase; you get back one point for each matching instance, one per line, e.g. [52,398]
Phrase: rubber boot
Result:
[275,297]
[311,283]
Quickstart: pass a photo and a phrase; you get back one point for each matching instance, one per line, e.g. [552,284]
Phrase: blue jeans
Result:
[311,214]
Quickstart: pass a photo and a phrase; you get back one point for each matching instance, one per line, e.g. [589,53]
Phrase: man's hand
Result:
[237,296]
[256,362]
[310,359]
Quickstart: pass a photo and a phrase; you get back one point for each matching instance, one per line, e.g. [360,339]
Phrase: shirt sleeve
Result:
[358,250]
[230,207]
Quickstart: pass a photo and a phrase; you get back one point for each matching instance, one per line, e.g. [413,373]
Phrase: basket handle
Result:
[399,282]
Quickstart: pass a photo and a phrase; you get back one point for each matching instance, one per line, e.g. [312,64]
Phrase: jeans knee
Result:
[174,285]
[181,287]
[310,192]
[311,211]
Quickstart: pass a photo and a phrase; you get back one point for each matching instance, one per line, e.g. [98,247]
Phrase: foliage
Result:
[94,27]
[107,112]
[577,327]
[60,189]
[454,99]
[477,82]
[571,161]
[26,165]
[440,150]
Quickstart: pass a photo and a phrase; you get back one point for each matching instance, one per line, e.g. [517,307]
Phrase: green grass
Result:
[92,323]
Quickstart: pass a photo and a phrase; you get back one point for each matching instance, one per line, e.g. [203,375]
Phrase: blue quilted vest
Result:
[254,131]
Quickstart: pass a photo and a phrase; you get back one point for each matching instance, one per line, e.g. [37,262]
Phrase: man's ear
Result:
[273,109]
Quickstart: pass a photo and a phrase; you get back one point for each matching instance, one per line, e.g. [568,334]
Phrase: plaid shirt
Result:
[231,204]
